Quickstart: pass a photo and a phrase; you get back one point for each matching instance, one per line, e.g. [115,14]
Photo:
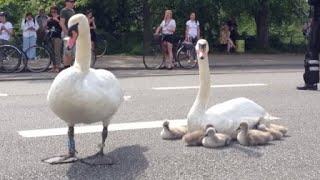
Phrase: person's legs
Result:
[33,41]
[57,51]
[2,56]
[169,46]
[56,46]
[164,53]
[67,56]
[311,74]
[25,44]
[228,46]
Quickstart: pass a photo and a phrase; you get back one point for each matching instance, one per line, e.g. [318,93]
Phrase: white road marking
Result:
[98,128]
[3,95]
[126,98]
[212,86]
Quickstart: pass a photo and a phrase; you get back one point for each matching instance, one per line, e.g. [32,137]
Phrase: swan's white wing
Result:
[85,98]
[227,115]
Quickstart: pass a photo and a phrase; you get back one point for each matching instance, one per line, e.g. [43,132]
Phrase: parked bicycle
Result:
[39,63]
[187,56]
[10,58]
[44,52]
[183,53]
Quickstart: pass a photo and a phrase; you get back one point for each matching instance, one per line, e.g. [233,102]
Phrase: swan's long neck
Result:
[83,50]
[201,102]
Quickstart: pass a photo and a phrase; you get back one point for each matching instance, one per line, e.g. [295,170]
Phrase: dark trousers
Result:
[311,64]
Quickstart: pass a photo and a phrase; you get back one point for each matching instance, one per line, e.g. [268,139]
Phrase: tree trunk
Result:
[262,24]
[147,28]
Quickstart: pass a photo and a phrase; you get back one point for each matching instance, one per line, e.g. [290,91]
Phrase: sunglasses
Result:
[53,11]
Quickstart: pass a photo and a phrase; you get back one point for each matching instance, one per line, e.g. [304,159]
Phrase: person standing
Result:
[192,29]
[65,14]
[29,27]
[53,22]
[233,28]
[5,32]
[41,19]
[93,27]
[311,64]
[168,27]
[5,28]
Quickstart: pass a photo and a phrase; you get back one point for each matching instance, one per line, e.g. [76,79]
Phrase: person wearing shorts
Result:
[168,27]
[65,14]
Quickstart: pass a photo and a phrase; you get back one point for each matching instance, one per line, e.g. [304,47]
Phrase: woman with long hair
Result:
[225,39]
[168,27]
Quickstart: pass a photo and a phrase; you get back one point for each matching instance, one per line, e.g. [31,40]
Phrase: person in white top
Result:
[29,27]
[5,28]
[168,27]
[192,29]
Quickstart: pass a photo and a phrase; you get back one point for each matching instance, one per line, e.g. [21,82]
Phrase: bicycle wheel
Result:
[100,47]
[23,63]
[93,59]
[152,57]
[41,61]
[10,58]
[187,57]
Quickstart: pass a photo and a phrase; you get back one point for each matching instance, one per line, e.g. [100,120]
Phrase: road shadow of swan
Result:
[250,151]
[129,163]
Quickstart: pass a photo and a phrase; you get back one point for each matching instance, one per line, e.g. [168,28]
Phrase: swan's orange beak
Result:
[72,40]
[201,53]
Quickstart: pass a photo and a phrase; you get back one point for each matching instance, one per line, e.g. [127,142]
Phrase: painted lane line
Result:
[3,95]
[212,86]
[98,128]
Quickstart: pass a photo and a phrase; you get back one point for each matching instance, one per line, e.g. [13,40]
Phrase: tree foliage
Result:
[118,18]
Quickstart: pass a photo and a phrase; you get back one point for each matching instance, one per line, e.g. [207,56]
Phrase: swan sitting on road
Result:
[227,116]
[80,94]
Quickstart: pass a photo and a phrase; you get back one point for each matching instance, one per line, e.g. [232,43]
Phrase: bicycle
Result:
[39,63]
[44,55]
[184,54]
[10,58]
[187,56]
[100,46]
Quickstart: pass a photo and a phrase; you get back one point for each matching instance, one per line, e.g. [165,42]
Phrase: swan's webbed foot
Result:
[69,158]
[99,158]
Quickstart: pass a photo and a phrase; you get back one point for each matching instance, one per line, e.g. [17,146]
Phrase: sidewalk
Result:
[130,66]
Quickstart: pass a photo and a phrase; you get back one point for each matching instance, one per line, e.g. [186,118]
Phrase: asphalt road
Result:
[142,154]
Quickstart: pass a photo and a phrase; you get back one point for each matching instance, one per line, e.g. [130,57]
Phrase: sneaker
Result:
[308,87]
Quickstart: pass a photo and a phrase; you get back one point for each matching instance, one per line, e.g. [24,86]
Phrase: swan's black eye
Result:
[73,28]
[202,46]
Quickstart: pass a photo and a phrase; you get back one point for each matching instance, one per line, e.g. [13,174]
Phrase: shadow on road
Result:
[129,163]
[251,151]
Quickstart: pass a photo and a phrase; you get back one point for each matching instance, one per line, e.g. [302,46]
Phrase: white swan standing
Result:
[80,94]
[225,117]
